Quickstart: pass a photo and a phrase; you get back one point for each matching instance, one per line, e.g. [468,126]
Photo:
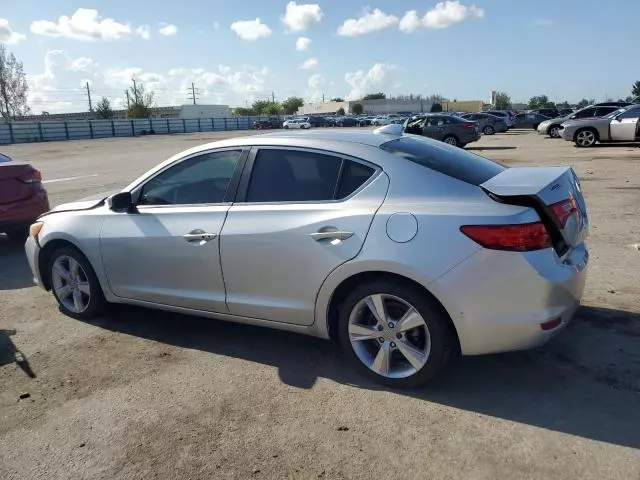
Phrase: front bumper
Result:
[32,250]
[505,311]
[566,134]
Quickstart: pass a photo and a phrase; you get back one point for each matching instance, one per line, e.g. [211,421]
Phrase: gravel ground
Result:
[144,394]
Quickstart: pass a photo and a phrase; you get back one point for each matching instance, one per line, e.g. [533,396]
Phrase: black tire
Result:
[488,130]
[286,127]
[535,126]
[443,341]
[554,131]
[451,140]
[18,234]
[97,303]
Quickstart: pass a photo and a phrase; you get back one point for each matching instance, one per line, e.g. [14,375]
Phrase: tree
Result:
[540,101]
[340,112]
[436,108]
[273,109]
[243,112]
[140,101]
[503,101]
[357,109]
[291,105]
[103,109]
[13,86]
[582,103]
[635,89]
[374,96]
[337,99]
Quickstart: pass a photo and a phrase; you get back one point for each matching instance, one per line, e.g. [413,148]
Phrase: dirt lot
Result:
[143,394]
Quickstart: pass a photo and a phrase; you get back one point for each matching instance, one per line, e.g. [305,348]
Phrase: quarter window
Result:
[199,180]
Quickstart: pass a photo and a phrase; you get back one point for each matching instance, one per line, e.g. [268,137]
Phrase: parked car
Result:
[529,120]
[613,104]
[273,122]
[318,121]
[346,121]
[622,125]
[366,121]
[22,197]
[551,127]
[488,124]
[506,115]
[547,112]
[381,120]
[446,128]
[297,123]
[407,250]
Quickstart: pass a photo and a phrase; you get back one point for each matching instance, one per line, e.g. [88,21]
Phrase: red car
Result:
[22,197]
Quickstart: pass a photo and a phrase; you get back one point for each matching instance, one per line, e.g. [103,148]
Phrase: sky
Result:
[236,52]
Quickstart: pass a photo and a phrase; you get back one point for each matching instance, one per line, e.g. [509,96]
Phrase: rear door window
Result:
[454,162]
[602,111]
[4,158]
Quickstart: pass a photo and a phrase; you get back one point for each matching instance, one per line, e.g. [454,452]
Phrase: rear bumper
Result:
[23,213]
[503,298]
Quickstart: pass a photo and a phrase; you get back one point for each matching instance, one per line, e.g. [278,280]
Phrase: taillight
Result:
[469,125]
[34,176]
[564,209]
[523,237]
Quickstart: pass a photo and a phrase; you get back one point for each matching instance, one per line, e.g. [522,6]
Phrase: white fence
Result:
[51,131]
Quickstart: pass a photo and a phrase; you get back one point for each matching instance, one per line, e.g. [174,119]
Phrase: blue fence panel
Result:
[23,132]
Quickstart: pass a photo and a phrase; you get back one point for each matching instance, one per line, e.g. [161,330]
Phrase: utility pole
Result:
[135,91]
[89,95]
[193,93]
[128,101]
[273,97]
[323,98]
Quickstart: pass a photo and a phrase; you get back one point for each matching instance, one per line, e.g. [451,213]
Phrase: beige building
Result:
[389,105]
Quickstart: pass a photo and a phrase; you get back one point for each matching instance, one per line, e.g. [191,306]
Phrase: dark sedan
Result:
[346,122]
[22,197]
[446,128]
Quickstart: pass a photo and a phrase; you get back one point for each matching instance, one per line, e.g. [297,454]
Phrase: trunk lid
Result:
[554,192]
[12,189]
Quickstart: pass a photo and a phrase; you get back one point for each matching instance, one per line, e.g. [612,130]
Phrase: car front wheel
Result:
[554,131]
[75,285]
[394,333]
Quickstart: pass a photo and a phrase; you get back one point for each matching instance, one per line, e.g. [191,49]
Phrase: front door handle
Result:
[331,235]
[198,236]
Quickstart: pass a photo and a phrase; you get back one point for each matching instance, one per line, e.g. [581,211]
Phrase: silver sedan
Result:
[622,125]
[406,250]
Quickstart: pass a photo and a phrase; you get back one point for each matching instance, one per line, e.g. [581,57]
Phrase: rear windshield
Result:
[4,158]
[454,162]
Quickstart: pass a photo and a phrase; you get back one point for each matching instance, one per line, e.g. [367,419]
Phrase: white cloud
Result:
[144,32]
[315,83]
[303,43]
[82,64]
[85,24]
[167,29]
[251,29]
[309,64]
[51,89]
[8,35]
[298,18]
[375,79]
[410,21]
[368,23]
[445,14]
[543,22]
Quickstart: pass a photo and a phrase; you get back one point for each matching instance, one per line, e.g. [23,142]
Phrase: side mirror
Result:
[120,202]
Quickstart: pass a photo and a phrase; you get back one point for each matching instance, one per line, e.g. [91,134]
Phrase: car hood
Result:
[86,203]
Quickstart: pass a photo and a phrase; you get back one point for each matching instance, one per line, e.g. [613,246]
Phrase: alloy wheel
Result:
[585,138]
[71,284]
[389,336]
[554,132]
[451,141]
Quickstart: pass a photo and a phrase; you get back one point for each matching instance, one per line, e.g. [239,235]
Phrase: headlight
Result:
[35,228]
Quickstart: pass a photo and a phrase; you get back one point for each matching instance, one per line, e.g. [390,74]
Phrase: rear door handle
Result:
[198,236]
[331,234]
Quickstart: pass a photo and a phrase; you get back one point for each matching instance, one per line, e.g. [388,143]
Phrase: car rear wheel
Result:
[585,138]
[554,131]
[394,333]
[488,130]
[451,140]
[286,127]
[75,285]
